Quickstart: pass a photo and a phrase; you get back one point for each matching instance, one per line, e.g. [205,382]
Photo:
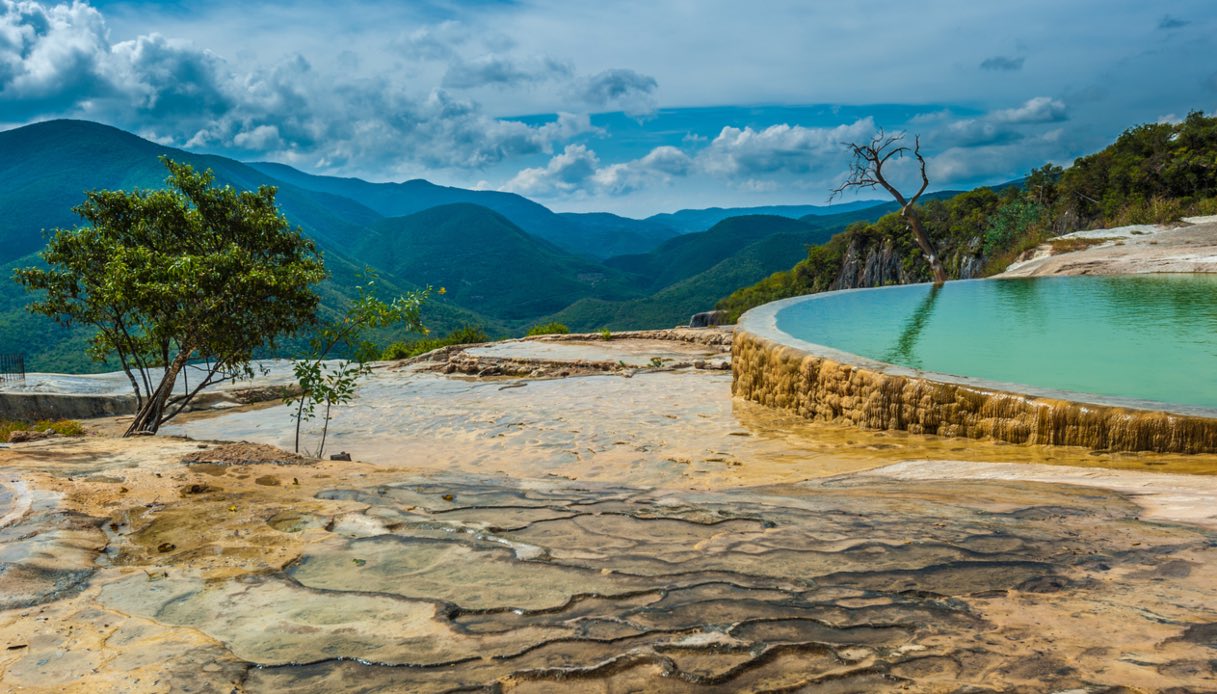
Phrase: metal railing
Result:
[12,367]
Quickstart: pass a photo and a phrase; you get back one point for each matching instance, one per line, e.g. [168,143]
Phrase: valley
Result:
[505,262]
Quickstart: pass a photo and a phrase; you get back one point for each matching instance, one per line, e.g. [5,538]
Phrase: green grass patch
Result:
[63,427]
[1071,245]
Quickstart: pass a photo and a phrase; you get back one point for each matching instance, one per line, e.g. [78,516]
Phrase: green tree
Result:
[190,273]
[328,384]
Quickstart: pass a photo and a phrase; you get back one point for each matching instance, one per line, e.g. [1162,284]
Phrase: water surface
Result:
[1151,338]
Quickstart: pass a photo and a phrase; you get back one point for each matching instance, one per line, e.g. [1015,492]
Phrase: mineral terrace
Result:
[578,518]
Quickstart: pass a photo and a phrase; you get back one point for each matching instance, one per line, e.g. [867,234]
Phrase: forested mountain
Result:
[580,234]
[697,220]
[505,261]
[1153,173]
[485,261]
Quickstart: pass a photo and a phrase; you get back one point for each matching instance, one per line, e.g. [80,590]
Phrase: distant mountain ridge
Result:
[506,262]
[471,251]
[698,220]
[596,239]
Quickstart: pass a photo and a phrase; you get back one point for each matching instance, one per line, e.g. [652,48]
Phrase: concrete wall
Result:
[31,406]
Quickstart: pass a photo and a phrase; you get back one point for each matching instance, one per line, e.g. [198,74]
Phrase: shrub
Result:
[466,335]
[548,329]
[1205,207]
[606,334]
[1009,224]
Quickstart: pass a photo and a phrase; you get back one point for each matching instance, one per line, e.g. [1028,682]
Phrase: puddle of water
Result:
[633,352]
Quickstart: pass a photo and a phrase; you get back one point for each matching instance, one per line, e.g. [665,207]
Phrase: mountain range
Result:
[506,261]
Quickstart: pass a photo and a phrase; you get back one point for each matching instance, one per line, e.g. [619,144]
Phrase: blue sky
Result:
[631,106]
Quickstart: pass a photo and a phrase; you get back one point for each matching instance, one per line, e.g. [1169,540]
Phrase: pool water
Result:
[1146,337]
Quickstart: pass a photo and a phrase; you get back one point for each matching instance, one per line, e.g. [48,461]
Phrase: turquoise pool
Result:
[1146,338]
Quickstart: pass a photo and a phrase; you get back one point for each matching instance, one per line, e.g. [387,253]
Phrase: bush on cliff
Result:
[1153,173]
[468,335]
[553,328]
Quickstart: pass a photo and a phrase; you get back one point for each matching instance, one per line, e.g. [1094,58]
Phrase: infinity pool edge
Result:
[820,383]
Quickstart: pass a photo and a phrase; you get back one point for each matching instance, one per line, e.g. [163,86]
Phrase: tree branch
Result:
[182,401]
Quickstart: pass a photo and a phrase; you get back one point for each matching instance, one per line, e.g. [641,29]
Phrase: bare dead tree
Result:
[866,171]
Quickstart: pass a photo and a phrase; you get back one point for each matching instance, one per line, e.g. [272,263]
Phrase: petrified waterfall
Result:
[821,389]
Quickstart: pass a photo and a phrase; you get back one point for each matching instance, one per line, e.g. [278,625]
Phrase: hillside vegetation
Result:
[479,256]
[507,262]
[1152,173]
[677,277]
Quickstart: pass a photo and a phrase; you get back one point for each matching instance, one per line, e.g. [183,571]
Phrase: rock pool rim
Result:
[760,324]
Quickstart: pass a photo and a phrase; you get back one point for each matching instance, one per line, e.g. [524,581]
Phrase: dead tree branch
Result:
[866,171]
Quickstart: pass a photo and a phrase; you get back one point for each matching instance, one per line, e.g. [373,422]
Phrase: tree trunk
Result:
[325,429]
[923,242]
[148,419]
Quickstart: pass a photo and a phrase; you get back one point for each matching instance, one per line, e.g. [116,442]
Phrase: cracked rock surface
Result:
[715,549]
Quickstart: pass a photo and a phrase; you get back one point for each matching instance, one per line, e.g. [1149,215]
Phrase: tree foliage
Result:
[190,273]
[1152,173]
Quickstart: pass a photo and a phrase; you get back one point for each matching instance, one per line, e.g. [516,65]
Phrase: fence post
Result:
[12,367]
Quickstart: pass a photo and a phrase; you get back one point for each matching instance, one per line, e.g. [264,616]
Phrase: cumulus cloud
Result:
[625,90]
[50,55]
[997,128]
[578,171]
[1002,63]
[164,78]
[565,173]
[659,166]
[979,132]
[58,60]
[972,164]
[503,71]
[999,143]
[260,138]
[1041,109]
[434,42]
[790,149]
[747,159]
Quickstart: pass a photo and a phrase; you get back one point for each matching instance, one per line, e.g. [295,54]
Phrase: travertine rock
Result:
[825,390]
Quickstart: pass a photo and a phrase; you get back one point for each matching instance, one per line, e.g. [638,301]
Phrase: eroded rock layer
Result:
[822,389]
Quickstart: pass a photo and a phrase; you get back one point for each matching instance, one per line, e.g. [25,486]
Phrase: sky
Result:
[631,106]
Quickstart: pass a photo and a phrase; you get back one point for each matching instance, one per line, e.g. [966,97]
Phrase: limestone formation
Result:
[822,389]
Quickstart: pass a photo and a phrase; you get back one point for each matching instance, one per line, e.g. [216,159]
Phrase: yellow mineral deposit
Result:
[636,530]
[822,389]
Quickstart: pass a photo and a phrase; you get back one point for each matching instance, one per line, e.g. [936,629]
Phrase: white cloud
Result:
[790,149]
[659,166]
[502,71]
[578,171]
[1041,109]
[58,60]
[48,50]
[434,42]
[625,90]
[260,138]
[994,162]
[565,173]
